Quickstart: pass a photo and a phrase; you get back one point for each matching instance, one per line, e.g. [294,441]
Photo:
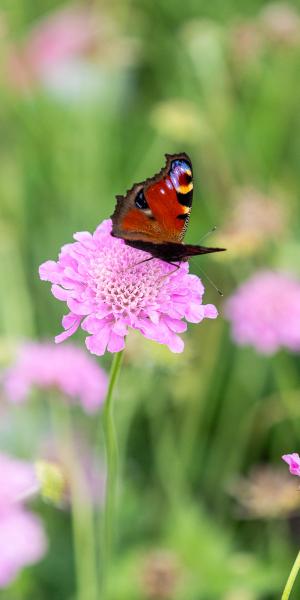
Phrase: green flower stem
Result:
[111,449]
[287,381]
[291,579]
[82,514]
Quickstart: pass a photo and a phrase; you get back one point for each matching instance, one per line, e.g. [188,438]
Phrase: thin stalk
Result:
[291,579]
[111,450]
[198,405]
[83,530]
[287,380]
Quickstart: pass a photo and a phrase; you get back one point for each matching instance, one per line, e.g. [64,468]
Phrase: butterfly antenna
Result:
[211,282]
[207,234]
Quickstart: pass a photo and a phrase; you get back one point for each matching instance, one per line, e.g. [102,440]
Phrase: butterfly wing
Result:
[172,251]
[158,209]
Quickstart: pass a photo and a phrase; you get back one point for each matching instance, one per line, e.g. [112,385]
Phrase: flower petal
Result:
[293,460]
[194,312]
[175,324]
[49,271]
[69,320]
[59,293]
[65,334]
[210,311]
[120,328]
[97,343]
[175,343]
[85,238]
[79,308]
[116,343]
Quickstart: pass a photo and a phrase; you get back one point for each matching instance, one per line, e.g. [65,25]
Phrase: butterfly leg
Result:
[139,263]
[170,272]
[143,261]
[169,262]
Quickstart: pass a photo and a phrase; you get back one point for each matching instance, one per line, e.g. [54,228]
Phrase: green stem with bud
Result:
[82,513]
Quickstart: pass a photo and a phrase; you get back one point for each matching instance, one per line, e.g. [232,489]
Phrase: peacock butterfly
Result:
[154,214]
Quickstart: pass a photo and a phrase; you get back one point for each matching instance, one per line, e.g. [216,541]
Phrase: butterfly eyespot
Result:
[140,201]
[182,165]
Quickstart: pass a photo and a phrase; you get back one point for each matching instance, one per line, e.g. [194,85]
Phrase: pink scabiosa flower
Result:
[18,480]
[265,312]
[293,460]
[22,539]
[55,40]
[67,368]
[22,542]
[107,291]
[71,52]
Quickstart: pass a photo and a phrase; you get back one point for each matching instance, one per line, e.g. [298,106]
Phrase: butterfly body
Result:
[154,214]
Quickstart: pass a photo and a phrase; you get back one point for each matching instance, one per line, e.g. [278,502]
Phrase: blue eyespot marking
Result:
[181,164]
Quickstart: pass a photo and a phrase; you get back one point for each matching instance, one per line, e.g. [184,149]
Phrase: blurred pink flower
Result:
[293,460]
[68,368]
[161,575]
[266,493]
[22,542]
[77,52]
[265,312]
[280,23]
[106,292]
[22,539]
[18,480]
[255,218]
[56,39]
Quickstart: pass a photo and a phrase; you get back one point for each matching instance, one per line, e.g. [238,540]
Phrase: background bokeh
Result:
[92,97]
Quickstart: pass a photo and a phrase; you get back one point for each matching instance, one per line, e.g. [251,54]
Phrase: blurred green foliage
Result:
[188,425]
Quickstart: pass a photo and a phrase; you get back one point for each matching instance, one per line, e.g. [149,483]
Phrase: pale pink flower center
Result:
[123,285]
